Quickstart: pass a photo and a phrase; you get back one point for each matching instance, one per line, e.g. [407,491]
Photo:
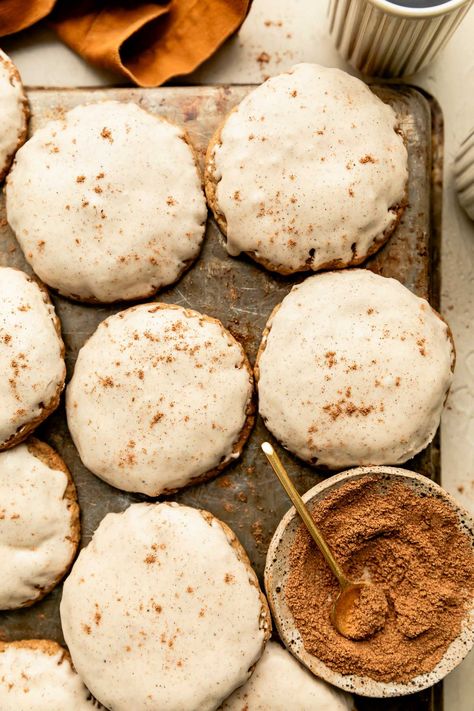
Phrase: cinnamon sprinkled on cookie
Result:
[280,683]
[171,403]
[119,208]
[318,166]
[354,369]
[193,637]
[31,356]
[36,674]
[14,113]
[39,523]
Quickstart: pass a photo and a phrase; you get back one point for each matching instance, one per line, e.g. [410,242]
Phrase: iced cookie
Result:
[163,611]
[354,369]
[37,675]
[39,523]
[161,397]
[31,356]
[13,112]
[308,172]
[119,211]
[280,683]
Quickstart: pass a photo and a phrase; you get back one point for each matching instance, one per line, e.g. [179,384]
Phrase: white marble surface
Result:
[276,34]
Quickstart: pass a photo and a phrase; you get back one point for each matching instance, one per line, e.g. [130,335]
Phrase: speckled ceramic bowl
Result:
[276,573]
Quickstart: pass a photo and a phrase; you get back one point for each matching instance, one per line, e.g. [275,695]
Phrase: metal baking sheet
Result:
[240,293]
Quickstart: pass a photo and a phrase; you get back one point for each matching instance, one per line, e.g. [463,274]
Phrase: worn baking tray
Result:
[242,295]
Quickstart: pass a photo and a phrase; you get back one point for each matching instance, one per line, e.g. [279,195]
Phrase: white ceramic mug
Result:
[464,174]
[393,37]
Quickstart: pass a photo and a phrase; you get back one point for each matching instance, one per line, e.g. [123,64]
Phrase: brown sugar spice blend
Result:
[410,544]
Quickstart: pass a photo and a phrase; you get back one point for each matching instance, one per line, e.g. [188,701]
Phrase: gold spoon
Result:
[360,608]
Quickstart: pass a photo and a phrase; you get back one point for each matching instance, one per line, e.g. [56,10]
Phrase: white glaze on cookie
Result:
[159,396]
[13,112]
[280,683]
[161,612]
[36,527]
[31,361]
[354,370]
[119,210]
[36,675]
[307,169]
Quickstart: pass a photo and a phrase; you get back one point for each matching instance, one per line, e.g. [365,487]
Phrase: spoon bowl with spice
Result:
[407,538]
[359,610]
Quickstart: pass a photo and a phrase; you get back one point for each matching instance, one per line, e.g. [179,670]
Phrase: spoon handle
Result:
[301,508]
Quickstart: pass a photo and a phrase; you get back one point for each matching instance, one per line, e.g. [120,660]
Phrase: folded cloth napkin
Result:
[149,42]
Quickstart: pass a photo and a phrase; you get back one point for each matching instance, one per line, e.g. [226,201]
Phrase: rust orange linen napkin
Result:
[147,42]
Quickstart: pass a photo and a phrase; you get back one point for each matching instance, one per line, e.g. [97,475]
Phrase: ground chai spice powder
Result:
[409,543]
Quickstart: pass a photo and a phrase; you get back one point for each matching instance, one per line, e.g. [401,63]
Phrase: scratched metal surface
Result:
[242,295]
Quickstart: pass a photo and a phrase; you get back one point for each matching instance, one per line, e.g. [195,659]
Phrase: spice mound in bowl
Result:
[407,536]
